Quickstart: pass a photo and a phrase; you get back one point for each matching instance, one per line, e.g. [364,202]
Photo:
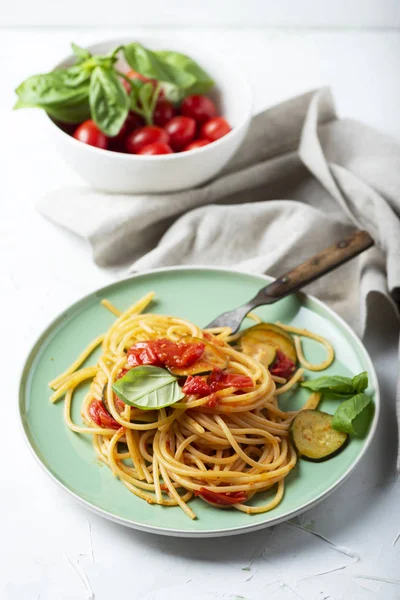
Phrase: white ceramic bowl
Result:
[129,173]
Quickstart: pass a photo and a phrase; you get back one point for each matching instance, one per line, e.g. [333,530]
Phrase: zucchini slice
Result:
[314,439]
[263,340]
[212,358]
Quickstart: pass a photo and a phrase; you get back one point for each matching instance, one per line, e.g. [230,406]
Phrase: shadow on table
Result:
[357,499]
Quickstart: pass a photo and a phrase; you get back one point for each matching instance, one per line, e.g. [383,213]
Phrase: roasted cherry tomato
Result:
[283,366]
[196,144]
[164,353]
[201,386]
[143,353]
[219,380]
[200,108]
[181,131]
[196,385]
[89,133]
[179,354]
[144,136]
[214,129]
[163,112]
[155,148]
[100,416]
[223,498]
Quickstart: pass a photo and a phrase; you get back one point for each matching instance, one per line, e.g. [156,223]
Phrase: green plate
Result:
[197,294]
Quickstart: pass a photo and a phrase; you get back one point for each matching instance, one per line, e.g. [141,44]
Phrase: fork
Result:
[318,265]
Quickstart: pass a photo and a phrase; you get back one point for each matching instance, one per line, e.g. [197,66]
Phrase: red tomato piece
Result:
[196,385]
[163,112]
[283,366]
[196,144]
[144,353]
[201,386]
[180,354]
[213,401]
[135,75]
[116,143]
[222,498]
[88,133]
[200,108]
[219,380]
[136,140]
[181,131]
[164,353]
[100,416]
[133,121]
[214,129]
[155,148]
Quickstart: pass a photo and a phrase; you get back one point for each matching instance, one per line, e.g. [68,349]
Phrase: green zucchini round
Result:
[313,438]
[263,340]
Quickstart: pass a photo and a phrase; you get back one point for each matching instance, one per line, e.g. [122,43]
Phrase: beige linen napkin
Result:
[302,180]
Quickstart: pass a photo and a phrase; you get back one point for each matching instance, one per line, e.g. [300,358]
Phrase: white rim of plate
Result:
[210,532]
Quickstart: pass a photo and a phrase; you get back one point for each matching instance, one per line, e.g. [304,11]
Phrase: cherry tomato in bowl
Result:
[134,121]
[181,131]
[135,75]
[163,112]
[88,133]
[150,134]
[155,148]
[214,129]
[196,144]
[118,139]
[198,107]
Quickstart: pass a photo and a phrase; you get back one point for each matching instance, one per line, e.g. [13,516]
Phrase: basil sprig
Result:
[92,86]
[148,388]
[108,100]
[180,75]
[350,391]
[347,412]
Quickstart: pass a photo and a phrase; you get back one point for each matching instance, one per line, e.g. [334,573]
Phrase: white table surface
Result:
[51,548]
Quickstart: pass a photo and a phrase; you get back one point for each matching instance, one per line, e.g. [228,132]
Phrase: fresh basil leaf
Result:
[179,74]
[203,81]
[145,94]
[360,381]
[149,64]
[347,411]
[333,383]
[70,113]
[148,388]
[113,54]
[80,53]
[108,100]
[63,86]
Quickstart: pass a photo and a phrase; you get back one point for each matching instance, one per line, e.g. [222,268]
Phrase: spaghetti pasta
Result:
[224,445]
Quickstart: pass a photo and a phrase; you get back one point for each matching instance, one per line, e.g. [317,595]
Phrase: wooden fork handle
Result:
[316,266]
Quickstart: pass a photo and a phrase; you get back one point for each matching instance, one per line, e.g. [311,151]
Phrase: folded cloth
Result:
[302,180]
